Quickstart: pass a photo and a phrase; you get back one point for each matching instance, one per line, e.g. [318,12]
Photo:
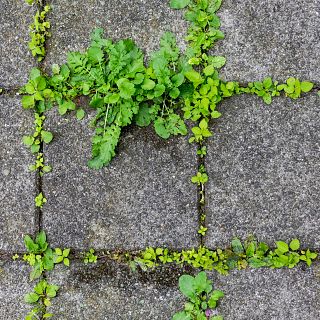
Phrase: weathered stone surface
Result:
[276,38]
[110,291]
[14,284]
[263,165]
[17,185]
[142,21]
[144,197]
[15,57]
[267,294]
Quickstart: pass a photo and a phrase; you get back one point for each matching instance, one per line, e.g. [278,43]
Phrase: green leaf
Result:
[181,316]
[294,244]
[66,262]
[186,285]
[143,117]
[256,263]
[126,88]
[47,315]
[177,80]
[216,295]
[306,86]
[201,283]
[174,93]
[41,239]
[28,140]
[46,136]
[282,246]
[80,114]
[250,249]
[103,149]
[209,70]
[95,54]
[51,290]
[55,69]
[31,298]
[148,84]
[218,61]
[179,4]
[66,252]
[28,102]
[113,98]
[194,77]
[40,287]
[30,245]
[160,128]
[237,246]
[159,90]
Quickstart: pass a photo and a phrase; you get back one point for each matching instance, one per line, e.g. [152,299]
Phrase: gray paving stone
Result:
[276,38]
[142,21]
[144,197]
[16,60]
[112,292]
[17,185]
[14,284]
[263,165]
[267,294]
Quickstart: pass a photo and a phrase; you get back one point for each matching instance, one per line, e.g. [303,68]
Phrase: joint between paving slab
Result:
[201,194]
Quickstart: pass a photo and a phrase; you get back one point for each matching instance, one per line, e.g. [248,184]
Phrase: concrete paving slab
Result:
[264,171]
[143,198]
[14,284]
[110,291]
[267,294]
[142,21]
[277,38]
[16,60]
[17,184]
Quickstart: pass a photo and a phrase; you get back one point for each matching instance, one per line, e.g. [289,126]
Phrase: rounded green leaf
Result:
[295,244]
[282,246]
[28,140]
[80,114]
[306,86]
[47,136]
[31,298]
[179,4]
[148,84]
[186,285]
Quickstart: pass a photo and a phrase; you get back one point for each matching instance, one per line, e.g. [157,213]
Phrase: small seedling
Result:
[90,257]
[40,200]
[202,230]
[41,297]
[202,298]
[62,256]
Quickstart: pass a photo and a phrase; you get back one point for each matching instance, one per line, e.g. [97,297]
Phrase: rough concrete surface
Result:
[144,197]
[15,58]
[277,38]
[14,284]
[110,291]
[17,185]
[142,21]
[266,294]
[263,166]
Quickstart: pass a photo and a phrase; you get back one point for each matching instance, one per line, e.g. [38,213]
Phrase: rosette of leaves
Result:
[40,298]
[202,299]
[39,255]
[122,90]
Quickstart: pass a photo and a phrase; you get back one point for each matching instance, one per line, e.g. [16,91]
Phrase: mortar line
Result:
[201,194]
